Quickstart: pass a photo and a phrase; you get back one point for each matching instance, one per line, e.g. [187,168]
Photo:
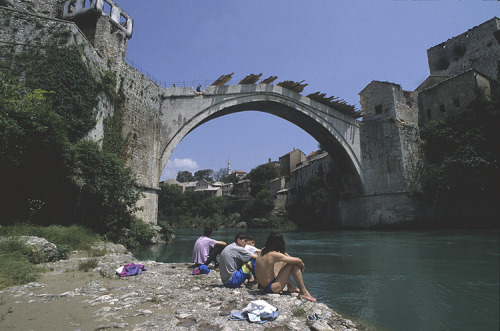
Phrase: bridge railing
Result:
[180,83]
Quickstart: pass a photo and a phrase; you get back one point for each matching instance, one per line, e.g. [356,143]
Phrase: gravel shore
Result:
[165,297]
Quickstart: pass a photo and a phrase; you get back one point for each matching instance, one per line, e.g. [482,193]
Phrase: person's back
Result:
[206,249]
[202,248]
[264,268]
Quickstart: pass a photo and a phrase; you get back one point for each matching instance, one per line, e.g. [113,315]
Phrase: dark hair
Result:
[252,238]
[240,235]
[274,242]
[207,231]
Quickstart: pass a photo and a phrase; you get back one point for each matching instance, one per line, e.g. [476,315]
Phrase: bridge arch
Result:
[335,131]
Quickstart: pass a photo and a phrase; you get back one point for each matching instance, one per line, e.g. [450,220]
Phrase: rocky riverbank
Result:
[165,297]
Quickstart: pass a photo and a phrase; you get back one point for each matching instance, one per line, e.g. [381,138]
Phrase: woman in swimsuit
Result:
[274,267]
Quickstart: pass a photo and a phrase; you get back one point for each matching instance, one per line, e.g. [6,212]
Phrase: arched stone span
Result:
[183,110]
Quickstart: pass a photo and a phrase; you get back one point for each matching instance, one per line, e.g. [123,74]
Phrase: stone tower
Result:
[104,24]
[478,49]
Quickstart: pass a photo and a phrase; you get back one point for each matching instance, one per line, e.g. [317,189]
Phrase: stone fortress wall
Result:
[477,49]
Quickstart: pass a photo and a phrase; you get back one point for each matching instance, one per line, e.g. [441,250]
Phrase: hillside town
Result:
[294,169]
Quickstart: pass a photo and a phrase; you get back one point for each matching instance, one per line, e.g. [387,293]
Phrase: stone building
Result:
[240,174]
[289,161]
[458,67]
[227,189]
[276,185]
[242,188]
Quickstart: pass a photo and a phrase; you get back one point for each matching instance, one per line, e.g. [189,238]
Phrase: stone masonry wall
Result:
[450,96]
[475,49]
[49,8]
[141,117]
[376,210]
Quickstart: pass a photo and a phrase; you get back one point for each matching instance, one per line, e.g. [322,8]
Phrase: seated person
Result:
[250,246]
[206,249]
[274,266]
[236,263]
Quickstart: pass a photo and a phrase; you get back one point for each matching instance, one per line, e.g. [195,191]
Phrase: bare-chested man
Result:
[274,266]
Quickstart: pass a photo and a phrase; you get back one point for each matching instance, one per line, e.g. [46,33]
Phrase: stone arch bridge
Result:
[182,110]
[185,110]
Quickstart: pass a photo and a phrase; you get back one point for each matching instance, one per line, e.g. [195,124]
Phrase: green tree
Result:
[258,206]
[105,184]
[34,150]
[260,176]
[63,71]
[185,176]
[204,174]
[231,178]
[211,206]
[172,204]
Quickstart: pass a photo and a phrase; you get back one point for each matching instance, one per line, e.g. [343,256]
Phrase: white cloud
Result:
[176,165]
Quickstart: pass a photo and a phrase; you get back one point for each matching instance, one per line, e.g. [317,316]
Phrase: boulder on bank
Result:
[42,249]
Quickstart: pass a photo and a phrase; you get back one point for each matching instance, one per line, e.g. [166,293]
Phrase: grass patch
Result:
[18,260]
[87,264]
[16,266]
[299,312]
[155,299]
[75,237]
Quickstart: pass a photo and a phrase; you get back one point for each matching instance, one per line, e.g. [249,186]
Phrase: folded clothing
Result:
[258,311]
[130,269]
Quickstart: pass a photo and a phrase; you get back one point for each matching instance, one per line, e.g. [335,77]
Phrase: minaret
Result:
[228,167]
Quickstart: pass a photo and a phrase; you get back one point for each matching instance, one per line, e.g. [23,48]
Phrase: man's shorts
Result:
[240,276]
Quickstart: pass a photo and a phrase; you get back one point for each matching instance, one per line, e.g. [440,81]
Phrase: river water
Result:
[405,280]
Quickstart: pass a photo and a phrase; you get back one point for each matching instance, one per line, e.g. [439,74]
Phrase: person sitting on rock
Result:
[206,249]
[274,266]
[236,264]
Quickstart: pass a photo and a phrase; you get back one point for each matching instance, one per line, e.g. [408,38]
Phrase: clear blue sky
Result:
[337,47]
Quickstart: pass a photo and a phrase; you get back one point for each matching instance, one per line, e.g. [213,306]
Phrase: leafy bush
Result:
[63,252]
[140,233]
[462,164]
[166,229]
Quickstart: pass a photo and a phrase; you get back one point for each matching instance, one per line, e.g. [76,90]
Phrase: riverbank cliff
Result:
[164,297]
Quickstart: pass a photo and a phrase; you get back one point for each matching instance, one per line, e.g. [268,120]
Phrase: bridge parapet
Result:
[227,91]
